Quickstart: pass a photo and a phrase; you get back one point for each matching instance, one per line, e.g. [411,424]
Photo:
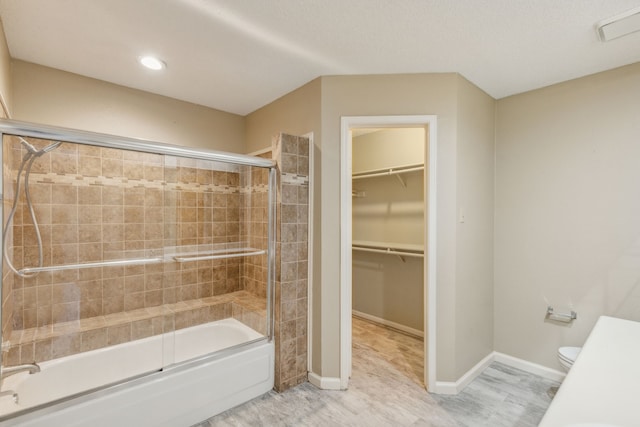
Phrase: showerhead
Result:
[35,152]
[29,147]
[49,147]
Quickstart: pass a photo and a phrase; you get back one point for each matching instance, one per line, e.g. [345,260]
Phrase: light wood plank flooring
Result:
[404,352]
[386,389]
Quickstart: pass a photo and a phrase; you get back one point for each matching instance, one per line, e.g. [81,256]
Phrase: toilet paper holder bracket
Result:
[561,317]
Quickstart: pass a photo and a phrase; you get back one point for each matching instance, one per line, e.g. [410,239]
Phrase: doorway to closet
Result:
[387,269]
[387,304]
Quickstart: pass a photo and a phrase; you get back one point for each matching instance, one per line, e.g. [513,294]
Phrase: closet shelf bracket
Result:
[402,181]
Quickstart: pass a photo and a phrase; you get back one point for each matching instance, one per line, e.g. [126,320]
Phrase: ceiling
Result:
[239,55]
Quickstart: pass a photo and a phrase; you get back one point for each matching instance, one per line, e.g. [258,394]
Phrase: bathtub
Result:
[190,388]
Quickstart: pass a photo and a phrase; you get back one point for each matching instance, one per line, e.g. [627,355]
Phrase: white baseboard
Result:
[389,323]
[532,368]
[449,387]
[324,383]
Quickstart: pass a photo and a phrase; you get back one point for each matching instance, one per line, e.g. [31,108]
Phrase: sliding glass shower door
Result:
[120,262]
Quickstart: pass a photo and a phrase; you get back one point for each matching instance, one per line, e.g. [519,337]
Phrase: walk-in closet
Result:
[388,242]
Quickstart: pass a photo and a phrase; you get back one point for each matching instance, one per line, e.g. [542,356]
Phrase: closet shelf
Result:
[399,249]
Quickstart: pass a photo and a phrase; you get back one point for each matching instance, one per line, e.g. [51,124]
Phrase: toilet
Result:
[568,355]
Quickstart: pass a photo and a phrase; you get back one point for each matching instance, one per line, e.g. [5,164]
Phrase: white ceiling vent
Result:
[619,25]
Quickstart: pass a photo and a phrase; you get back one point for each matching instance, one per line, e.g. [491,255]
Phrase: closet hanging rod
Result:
[386,172]
[115,263]
[388,251]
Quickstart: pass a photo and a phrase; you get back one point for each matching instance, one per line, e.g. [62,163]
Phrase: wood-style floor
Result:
[386,389]
[404,352]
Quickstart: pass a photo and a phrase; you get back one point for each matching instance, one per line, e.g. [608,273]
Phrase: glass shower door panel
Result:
[210,250]
[82,269]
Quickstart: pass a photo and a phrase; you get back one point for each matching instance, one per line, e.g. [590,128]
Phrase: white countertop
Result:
[602,389]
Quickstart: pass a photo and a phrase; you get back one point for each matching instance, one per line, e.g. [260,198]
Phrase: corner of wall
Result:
[475,187]
[5,75]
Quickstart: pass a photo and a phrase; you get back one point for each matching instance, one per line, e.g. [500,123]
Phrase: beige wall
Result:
[5,73]
[474,239]
[567,211]
[386,95]
[409,95]
[49,96]
[318,107]
[388,148]
[388,211]
[296,113]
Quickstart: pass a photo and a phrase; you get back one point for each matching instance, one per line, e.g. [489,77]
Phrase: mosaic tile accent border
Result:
[294,179]
[121,182]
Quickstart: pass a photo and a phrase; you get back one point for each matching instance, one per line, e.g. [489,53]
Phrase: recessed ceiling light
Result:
[619,25]
[152,63]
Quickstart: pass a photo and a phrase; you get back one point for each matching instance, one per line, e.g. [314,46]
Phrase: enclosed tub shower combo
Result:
[137,279]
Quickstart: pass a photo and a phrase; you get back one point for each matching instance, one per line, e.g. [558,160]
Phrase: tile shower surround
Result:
[191,294]
[292,156]
[87,199]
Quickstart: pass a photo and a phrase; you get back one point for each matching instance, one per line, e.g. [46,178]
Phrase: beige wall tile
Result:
[89,233]
[118,334]
[64,214]
[141,329]
[90,166]
[93,339]
[153,298]
[112,167]
[90,214]
[90,308]
[134,196]
[63,163]
[64,194]
[65,345]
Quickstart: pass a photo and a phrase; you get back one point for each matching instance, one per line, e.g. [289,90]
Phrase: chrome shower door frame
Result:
[24,129]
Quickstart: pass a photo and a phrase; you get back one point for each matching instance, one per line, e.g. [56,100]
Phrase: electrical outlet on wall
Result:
[461,216]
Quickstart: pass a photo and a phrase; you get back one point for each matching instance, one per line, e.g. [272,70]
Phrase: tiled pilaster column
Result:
[292,156]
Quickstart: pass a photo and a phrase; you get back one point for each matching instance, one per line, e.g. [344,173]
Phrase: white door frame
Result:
[310,220]
[348,123]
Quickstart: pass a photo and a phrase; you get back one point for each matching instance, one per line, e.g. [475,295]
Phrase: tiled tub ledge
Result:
[64,339]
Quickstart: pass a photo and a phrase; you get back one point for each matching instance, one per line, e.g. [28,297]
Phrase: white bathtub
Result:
[180,395]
